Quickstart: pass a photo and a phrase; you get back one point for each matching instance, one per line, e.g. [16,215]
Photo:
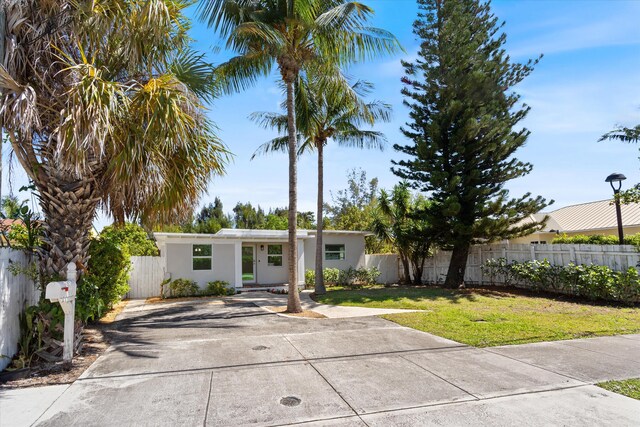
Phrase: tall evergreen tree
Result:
[463,123]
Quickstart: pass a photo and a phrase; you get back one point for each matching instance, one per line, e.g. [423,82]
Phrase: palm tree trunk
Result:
[69,207]
[293,301]
[319,285]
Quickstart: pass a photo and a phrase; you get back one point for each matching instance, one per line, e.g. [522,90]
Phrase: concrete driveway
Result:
[231,363]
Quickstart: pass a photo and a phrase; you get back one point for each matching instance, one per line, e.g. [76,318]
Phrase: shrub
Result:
[218,288]
[38,323]
[581,239]
[131,236]
[309,278]
[595,282]
[331,276]
[350,277]
[108,271]
[183,288]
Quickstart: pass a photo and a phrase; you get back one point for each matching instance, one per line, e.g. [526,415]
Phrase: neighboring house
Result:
[254,258]
[593,218]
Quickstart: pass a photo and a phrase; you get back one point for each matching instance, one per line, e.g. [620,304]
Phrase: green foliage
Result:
[596,282]
[131,236]
[211,219]
[331,276]
[108,272]
[107,277]
[218,288]
[38,323]
[629,388]
[183,288]
[90,305]
[10,207]
[309,278]
[581,239]
[26,230]
[464,128]
[404,222]
[355,208]
[349,278]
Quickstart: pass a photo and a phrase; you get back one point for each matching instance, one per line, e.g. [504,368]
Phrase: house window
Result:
[274,255]
[201,256]
[334,252]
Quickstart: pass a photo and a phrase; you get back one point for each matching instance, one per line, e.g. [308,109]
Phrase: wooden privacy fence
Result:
[386,263]
[146,276]
[16,293]
[617,257]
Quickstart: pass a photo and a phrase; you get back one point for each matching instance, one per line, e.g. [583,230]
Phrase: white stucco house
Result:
[254,258]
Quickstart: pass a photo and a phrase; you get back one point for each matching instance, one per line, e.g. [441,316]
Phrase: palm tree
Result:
[103,106]
[327,109]
[292,34]
[402,224]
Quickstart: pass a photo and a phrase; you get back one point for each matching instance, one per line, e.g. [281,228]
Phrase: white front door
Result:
[248,264]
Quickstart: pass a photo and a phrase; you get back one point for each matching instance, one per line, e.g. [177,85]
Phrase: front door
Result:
[249,264]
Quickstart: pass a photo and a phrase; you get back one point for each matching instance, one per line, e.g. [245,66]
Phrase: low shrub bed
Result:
[181,288]
[594,282]
[348,278]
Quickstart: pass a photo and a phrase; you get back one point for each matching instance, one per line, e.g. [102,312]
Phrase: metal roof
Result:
[594,216]
[599,215]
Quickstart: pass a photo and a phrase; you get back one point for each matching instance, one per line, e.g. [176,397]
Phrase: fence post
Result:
[533,252]
[572,255]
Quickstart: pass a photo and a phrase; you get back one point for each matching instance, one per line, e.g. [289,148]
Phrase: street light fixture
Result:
[615,180]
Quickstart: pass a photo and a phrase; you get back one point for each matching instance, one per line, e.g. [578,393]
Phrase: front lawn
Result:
[630,388]
[484,318]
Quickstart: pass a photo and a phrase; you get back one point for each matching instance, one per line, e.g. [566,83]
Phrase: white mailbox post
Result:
[65,294]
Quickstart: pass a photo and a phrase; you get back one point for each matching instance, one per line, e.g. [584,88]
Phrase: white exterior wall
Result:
[353,246]
[180,264]
[16,294]
[270,275]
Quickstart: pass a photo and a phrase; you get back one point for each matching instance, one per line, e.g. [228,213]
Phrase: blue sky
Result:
[588,81]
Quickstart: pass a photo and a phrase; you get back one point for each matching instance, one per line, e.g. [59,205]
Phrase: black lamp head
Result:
[615,178]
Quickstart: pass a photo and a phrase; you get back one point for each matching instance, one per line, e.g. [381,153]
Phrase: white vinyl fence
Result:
[386,263]
[146,276]
[617,257]
[16,294]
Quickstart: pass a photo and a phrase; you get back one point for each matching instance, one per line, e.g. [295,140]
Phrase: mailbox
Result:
[61,291]
[65,294]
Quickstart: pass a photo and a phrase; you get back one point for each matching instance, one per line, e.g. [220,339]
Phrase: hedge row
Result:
[596,282]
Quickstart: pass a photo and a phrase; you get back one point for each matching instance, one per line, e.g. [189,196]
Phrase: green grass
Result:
[247,276]
[630,388]
[484,318]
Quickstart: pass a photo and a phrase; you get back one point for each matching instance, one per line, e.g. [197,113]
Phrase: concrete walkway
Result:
[267,299]
[214,362]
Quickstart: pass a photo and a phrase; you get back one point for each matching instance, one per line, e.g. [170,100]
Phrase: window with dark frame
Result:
[274,255]
[334,252]
[201,257]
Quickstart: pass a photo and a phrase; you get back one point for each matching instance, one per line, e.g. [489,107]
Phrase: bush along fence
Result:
[606,272]
[596,282]
[616,257]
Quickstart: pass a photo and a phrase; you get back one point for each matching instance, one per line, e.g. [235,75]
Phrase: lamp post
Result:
[616,179]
